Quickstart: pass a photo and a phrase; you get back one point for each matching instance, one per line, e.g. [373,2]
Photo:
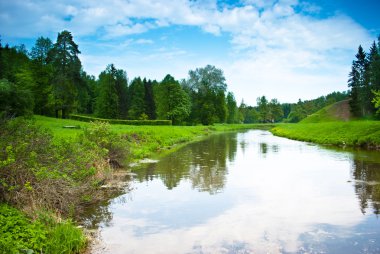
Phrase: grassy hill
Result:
[339,111]
[333,125]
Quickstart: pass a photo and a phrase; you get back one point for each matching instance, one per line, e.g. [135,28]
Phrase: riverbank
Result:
[364,134]
[145,141]
[61,166]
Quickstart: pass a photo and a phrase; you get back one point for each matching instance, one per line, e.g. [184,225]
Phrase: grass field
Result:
[145,141]
[352,133]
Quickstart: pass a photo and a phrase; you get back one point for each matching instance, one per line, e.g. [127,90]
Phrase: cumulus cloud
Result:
[282,34]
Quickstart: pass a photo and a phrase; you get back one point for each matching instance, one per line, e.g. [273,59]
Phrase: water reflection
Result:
[203,163]
[273,196]
[366,172]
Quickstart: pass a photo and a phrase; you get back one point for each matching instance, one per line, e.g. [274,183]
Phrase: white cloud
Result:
[270,36]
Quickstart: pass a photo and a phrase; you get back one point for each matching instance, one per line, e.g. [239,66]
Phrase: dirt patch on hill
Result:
[341,110]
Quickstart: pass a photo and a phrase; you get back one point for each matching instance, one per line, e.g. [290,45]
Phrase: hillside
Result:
[339,111]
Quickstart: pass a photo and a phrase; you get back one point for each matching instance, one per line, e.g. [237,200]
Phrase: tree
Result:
[207,87]
[173,103]
[376,101]
[374,71]
[67,66]
[136,93]
[263,109]
[358,81]
[107,103]
[275,111]
[40,51]
[87,93]
[15,100]
[232,110]
[42,73]
[121,86]
[149,98]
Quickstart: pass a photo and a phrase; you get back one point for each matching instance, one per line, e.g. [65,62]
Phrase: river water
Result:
[248,192]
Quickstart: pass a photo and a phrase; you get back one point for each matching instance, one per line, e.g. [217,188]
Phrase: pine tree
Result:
[360,86]
[121,86]
[374,73]
[67,66]
[42,72]
[107,102]
[136,93]
[150,105]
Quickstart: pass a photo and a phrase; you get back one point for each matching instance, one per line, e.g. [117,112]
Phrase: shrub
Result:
[36,172]
[120,121]
[19,234]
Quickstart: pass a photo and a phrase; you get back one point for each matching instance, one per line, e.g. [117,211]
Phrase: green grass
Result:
[353,133]
[145,141]
[323,115]
[338,111]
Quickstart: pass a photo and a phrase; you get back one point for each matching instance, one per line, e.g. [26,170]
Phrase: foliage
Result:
[107,103]
[232,110]
[363,79]
[120,121]
[206,87]
[15,101]
[18,234]
[39,172]
[64,58]
[376,101]
[173,103]
[44,235]
[136,99]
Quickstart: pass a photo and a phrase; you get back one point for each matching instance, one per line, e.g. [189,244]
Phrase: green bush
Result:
[19,234]
[36,171]
[120,121]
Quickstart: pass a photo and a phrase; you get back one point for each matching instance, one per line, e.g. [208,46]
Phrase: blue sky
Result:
[284,49]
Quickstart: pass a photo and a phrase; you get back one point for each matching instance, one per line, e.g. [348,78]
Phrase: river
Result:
[247,192]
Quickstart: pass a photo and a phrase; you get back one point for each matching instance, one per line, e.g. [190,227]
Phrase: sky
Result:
[284,49]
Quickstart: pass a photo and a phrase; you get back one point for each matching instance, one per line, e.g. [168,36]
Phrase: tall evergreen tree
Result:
[359,84]
[121,86]
[42,72]
[67,66]
[374,71]
[150,106]
[136,93]
[107,102]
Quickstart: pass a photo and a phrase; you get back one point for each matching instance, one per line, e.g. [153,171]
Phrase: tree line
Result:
[50,80]
[364,81]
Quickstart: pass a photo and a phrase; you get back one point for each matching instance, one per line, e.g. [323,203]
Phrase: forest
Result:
[49,80]
[364,81]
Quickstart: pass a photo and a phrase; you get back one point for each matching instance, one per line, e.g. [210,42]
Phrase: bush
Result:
[36,172]
[120,121]
[19,234]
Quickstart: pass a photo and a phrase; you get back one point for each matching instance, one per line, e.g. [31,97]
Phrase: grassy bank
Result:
[145,141]
[58,166]
[352,133]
